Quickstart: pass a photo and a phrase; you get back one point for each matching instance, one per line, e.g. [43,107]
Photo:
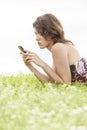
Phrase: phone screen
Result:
[21,48]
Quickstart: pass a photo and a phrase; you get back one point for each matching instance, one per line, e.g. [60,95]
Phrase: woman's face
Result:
[42,42]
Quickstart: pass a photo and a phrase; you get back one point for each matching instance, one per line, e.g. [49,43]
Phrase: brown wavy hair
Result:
[50,27]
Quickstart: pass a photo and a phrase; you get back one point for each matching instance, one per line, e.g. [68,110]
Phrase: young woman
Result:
[50,34]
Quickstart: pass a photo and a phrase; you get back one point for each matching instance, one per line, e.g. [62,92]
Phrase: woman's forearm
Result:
[38,74]
[51,73]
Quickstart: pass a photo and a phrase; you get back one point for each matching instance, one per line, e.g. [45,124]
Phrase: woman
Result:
[50,34]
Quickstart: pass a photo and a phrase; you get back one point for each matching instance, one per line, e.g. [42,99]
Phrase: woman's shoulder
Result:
[58,46]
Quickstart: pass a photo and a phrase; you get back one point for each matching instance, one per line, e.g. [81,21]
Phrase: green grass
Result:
[27,104]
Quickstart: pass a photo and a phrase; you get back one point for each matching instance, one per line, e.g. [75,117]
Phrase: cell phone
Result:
[21,48]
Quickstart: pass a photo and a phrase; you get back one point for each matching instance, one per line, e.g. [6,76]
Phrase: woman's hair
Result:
[50,27]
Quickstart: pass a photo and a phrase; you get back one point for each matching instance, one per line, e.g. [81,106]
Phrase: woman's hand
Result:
[25,57]
[33,57]
[29,57]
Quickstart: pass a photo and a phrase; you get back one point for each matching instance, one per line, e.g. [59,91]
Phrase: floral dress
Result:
[79,73]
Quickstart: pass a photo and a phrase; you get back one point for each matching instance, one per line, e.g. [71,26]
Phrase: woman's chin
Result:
[41,47]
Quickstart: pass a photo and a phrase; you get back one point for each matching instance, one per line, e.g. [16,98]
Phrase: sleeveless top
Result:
[79,72]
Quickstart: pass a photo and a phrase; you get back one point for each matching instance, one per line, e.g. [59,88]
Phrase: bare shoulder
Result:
[59,47]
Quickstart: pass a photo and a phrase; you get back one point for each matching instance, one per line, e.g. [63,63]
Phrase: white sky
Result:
[16,18]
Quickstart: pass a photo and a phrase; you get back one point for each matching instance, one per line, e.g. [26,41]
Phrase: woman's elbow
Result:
[62,81]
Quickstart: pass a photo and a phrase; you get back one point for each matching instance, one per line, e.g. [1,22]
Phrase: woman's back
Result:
[73,54]
[78,65]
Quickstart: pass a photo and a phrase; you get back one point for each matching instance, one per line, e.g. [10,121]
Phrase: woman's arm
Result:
[31,57]
[61,62]
[61,74]
[51,73]
[42,77]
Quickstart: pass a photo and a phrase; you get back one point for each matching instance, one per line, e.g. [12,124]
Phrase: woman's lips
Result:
[39,43]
